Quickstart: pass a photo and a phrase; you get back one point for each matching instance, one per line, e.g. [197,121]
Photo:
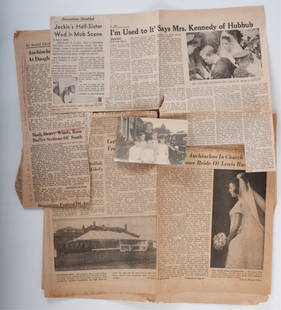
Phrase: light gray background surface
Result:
[21,230]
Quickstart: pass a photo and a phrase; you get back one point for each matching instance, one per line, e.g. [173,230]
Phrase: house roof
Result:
[105,234]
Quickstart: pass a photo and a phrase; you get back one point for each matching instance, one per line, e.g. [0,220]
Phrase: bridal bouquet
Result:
[219,241]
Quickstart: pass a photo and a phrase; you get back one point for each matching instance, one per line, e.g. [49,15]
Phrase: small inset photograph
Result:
[64,90]
[105,243]
[224,54]
[151,140]
[238,219]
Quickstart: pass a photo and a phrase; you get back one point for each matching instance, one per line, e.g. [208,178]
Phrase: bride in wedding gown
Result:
[246,237]
[228,46]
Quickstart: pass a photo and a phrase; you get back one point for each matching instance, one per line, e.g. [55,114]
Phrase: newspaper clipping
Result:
[151,141]
[220,82]
[114,238]
[80,60]
[210,66]
[113,69]
[56,168]
[208,212]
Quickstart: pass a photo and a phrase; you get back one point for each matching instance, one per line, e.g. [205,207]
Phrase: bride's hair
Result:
[235,182]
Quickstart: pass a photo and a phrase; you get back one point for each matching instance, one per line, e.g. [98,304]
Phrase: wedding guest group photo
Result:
[151,141]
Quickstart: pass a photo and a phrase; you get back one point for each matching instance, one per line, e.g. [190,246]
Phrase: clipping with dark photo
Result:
[151,140]
[238,219]
[224,54]
[64,90]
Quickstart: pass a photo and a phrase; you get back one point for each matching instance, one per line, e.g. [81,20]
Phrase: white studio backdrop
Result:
[21,230]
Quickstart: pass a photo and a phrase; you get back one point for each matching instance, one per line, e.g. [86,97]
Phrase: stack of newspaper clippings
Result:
[149,140]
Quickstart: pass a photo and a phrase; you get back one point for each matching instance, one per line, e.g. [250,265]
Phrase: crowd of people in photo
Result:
[224,54]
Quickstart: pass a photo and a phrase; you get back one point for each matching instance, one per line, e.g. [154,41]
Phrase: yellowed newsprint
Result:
[194,233]
[55,169]
[210,66]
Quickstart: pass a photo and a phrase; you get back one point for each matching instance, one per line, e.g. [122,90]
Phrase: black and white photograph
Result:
[238,219]
[224,54]
[151,140]
[64,90]
[105,243]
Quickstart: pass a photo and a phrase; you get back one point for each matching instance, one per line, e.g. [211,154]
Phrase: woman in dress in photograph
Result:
[162,152]
[246,237]
[142,140]
[135,152]
[147,153]
[228,46]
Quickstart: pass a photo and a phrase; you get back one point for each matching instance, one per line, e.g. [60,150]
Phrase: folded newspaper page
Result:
[209,64]
[164,233]
[55,170]
[151,140]
[221,81]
